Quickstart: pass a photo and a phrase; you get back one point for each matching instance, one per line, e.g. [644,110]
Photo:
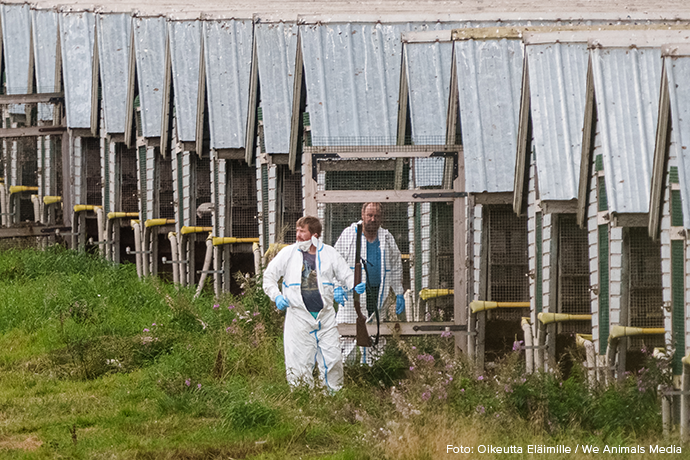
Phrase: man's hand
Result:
[399,304]
[360,288]
[282,303]
[340,295]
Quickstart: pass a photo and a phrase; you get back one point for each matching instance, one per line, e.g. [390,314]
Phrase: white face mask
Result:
[305,245]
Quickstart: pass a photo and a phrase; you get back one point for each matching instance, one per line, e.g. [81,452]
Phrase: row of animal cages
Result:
[423,210]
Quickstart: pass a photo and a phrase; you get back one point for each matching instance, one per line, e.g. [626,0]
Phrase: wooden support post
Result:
[460,306]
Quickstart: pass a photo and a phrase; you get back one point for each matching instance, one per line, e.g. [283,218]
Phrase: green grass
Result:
[95,363]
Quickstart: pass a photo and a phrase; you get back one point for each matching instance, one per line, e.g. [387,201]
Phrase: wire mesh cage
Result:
[508,266]
[129,190]
[56,164]
[243,209]
[421,230]
[573,274]
[91,152]
[203,190]
[27,174]
[644,286]
[166,199]
[289,203]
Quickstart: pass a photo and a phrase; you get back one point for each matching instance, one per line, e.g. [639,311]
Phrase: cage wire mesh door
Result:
[573,275]
[505,280]
[645,299]
[414,188]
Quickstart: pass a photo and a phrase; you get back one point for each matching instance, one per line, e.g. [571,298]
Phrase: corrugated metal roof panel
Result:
[76,38]
[45,27]
[677,70]
[149,49]
[428,67]
[113,55]
[352,74]
[228,60]
[626,85]
[276,52]
[185,50]
[16,38]
[489,85]
[558,82]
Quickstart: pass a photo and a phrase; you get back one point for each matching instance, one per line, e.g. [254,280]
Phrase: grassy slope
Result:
[97,364]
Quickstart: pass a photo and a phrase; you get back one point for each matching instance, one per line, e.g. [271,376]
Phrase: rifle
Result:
[363,339]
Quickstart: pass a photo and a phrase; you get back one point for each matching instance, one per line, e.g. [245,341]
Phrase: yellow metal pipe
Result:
[122,215]
[22,188]
[625,331]
[85,207]
[52,199]
[425,293]
[187,230]
[547,318]
[158,222]
[580,339]
[482,305]
[686,360]
[219,240]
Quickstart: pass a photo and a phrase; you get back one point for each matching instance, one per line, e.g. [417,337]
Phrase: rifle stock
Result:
[363,339]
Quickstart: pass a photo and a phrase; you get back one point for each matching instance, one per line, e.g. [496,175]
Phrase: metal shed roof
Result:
[489,117]
[276,51]
[149,51]
[558,82]
[677,69]
[228,59]
[428,67]
[16,40]
[352,74]
[114,37]
[44,29]
[431,9]
[77,41]
[185,52]
[626,85]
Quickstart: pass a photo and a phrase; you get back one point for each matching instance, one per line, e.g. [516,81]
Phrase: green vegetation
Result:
[95,363]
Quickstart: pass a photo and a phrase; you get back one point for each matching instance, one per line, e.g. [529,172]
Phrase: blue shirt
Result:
[374,263]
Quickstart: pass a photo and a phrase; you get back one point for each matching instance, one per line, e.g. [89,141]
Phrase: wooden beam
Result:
[559,206]
[48,98]
[358,165]
[383,196]
[31,131]
[386,151]
[278,158]
[32,230]
[631,219]
[493,198]
[230,154]
[406,328]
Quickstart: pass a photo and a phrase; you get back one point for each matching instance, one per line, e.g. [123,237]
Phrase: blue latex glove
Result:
[360,288]
[339,295]
[399,304]
[282,303]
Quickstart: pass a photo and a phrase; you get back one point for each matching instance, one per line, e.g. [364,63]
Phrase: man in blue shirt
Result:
[382,265]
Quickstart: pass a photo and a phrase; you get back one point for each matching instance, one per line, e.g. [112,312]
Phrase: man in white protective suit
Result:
[383,271]
[313,275]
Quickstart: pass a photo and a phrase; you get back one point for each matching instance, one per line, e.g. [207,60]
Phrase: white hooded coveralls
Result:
[309,341]
[391,278]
